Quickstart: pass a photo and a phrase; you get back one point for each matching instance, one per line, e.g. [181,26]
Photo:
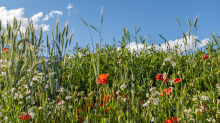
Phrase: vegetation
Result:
[107,85]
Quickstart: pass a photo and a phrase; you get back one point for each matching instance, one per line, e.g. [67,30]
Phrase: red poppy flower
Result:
[5,49]
[167,92]
[25,117]
[102,78]
[205,56]
[160,77]
[61,79]
[177,80]
[171,120]
[115,94]
[57,101]
[105,98]
[213,83]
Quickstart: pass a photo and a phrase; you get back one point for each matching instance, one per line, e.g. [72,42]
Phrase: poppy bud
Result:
[146,45]
[179,73]
[119,99]
[82,93]
[181,45]
[197,110]
[75,94]
[159,45]
[167,47]
[69,77]
[76,88]
[151,82]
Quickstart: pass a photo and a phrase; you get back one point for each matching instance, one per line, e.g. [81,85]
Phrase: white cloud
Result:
[75,11]
[190,46]
[8,16]
[51,14]
[69,6]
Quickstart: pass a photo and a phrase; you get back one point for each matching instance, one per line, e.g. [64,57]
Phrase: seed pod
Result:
[90,94]
[75,94]
[76,88]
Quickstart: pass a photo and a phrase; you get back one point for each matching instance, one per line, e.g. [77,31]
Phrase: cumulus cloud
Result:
[52,13]
[69,6]
[190,45]
[8,16]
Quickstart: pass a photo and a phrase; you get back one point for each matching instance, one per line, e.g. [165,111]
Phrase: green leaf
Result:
[94,28]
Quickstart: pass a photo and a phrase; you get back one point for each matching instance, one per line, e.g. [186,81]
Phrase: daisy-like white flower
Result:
[123,87]
[173,63]
[39,108]
[156,101]
[68,97]
[154,93]
[147,94]
[70,106]
[204,98]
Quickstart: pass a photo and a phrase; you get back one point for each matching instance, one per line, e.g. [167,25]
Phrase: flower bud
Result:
[82,93]
[151,82]
[119,99]
[76,88]
[69,77]
[179,73]
[75,94]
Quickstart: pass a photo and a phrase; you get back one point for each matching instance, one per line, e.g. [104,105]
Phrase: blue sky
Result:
[153,17]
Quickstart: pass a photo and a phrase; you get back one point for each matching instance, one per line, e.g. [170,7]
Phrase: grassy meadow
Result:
[104,84]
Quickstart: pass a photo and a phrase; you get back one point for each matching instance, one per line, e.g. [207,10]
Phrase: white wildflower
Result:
[123,87]
[68,97]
